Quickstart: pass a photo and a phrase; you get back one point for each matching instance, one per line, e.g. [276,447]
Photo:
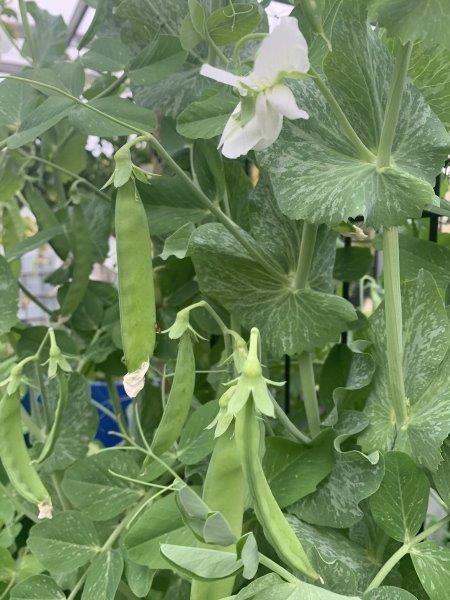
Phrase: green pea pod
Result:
[224,490]
[15,458]
[82,263]
[47,219]
[136,288]
[63,382]
[249,437]
[180,398]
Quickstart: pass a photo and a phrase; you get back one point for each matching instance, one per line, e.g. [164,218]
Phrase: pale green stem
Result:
[244,40]
[117,406]
[393,104]
[308,390]
[34,299]
[305,359]
[278,569]
[364,152]
[27,29]
[309,236]
[394,324]
[288,425]
[229,224]
[403,551]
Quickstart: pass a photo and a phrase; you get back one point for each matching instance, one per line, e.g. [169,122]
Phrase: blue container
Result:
[100,393]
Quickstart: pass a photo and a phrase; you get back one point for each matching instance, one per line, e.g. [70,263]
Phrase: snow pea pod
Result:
[249,438]
[224,490]
[180,397]
[136,287]
[15,458]
[82,263]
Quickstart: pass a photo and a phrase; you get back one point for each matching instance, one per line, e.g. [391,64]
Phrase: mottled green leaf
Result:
[353,186]
[416,254]
[196,441]
[343,564]
[38,587]
[64,543]
[441,477]
[353,478]
[388,593]
[415,19]
[400,504]
[177,243]
[432,564]
[206,117]
[107,54]
[131,115]
[164,56]
[91,486]
[161,523]
[352,263]
[289,319]
[78,424]
[9,297]
[229,24]
[17,100]
[426,338]
[103,576]
[294,471]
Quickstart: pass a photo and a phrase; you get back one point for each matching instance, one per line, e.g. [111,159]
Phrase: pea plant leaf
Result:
[9,297]
[416,254]
[37,587]
[432,564]
[415,20]
[65,543]
[441,477]
[90,480]
[289,319]
[161,523]
[201,563]
[400,504]
[206,118]
[343,564]
[353,478]
[352,186]
[103,576]
[388,593]
[425,363]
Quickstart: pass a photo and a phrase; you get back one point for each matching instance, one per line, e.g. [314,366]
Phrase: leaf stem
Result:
[278,569]
[288,425]
[394,324]
[364,152]
[34,299]
[393,104]
[403,551]
[305,359]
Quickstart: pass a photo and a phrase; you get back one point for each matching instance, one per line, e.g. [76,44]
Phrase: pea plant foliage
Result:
[265,204]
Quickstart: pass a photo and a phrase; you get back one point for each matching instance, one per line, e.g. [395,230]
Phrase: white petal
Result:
[220,75]
[271,122]
[284,50]
[237,140]
[134,382]
[281,98]
[45,510]
[5,42]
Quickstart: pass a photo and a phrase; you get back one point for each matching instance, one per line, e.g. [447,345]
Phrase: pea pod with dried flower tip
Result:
[136,287]
[224,490]
[180,398]
[249,438]
[82,263]
[15,458]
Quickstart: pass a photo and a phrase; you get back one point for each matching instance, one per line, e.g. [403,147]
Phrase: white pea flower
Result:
[257,120]
[134,382]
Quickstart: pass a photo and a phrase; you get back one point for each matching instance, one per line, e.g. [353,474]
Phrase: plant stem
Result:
[33,298]
[308,391]
[27,29]
[394,324]
[278,569]
[364,152]
[117,406]
[305,359]
[57,167]
[309,236]
[230,225]
[403,551]
[288,425]
[393,104]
